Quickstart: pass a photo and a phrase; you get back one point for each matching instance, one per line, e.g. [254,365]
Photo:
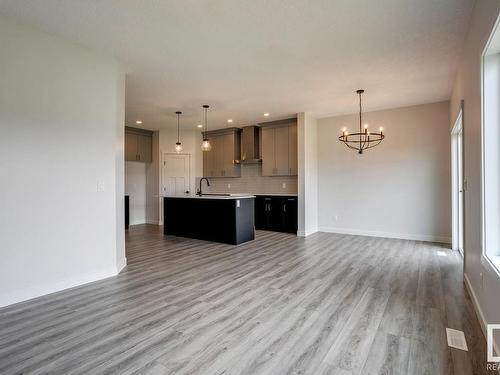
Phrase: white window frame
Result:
[493,260]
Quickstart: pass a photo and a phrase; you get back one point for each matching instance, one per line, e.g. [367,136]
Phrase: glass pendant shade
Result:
[205,145]
[178,145]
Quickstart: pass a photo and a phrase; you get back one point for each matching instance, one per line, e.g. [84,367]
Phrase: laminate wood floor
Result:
[327,304]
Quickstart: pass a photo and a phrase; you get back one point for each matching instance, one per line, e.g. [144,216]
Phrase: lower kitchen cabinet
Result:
[276,213]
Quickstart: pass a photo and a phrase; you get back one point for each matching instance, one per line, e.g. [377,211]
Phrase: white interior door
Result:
[458,188]
[175,175]
[460,203]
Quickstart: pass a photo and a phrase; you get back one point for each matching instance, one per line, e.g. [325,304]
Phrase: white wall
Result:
[153,183]
[119,144]
[135,187]
[481,278]
[400,188]
[61,116]
[307,157]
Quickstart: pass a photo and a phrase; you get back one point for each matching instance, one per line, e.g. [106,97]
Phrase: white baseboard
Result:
[404,236]
[42,290]
[121,264]
[475,303]
[139,222]
[305,233]
[479,312]
[153,222]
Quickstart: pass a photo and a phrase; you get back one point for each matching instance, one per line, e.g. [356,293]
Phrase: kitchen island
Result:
[219,218]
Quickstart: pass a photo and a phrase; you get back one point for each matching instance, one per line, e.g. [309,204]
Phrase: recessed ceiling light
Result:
[199,125]
[138,122]
[266,114]
[230,120]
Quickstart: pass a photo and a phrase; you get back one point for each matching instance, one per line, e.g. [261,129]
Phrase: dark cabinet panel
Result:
[127,212]
[276,213]
[290,214]
[260,213]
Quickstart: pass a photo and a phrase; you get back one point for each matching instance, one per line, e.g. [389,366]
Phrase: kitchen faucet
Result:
[201,180]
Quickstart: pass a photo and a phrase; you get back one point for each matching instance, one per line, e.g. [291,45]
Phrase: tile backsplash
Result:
[251,181]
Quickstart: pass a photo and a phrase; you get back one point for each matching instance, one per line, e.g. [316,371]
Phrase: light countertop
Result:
[208,196]
[263,194]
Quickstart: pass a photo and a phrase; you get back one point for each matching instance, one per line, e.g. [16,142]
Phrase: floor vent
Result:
[456,339]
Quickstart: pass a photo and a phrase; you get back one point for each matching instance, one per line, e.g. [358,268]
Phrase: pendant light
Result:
[364,139]
[205,145]
[178,145]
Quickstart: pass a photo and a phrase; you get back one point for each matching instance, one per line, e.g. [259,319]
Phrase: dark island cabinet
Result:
[276,213]
[228,220]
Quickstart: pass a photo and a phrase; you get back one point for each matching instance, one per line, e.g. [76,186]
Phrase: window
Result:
[491,150]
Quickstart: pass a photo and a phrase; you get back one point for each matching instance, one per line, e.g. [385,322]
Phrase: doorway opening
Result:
[458,184]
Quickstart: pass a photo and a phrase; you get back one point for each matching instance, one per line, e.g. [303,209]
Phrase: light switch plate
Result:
[283,185]
[100,186]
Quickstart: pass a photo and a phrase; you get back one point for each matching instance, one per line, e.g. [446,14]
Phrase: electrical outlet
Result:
[100,186]
[283,185]
[336,218]
[229,186]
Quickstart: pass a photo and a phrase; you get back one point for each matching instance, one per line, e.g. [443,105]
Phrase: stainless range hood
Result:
[250,145]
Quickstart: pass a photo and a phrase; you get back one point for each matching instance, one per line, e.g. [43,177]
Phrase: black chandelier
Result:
[364,139]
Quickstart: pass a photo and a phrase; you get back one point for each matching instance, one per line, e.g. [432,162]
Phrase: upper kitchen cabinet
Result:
[279,148]
[220,161]
[138,145]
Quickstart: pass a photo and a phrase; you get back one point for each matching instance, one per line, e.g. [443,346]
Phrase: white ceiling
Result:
[245,58]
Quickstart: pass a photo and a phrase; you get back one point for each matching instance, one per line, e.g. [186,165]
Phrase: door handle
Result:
[284,208]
